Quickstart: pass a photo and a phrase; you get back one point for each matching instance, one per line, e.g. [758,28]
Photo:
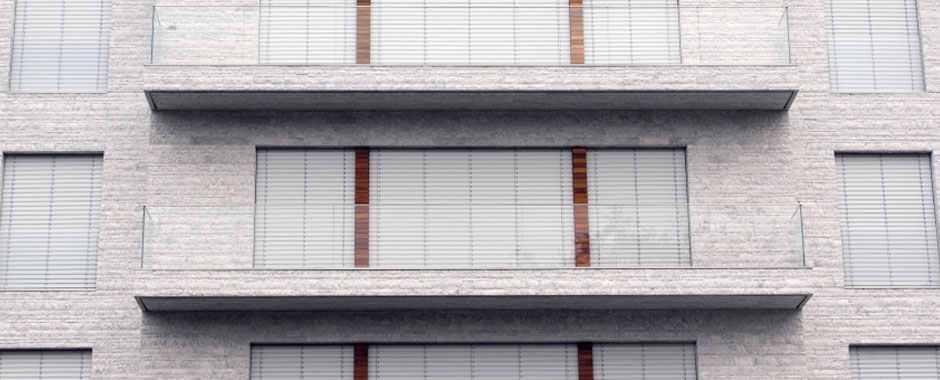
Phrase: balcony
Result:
[656,256]
[477,58]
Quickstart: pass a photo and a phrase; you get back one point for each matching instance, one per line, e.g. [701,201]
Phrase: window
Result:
[874,46]
[471,208]
[895,362]
[308,32]
[639,213]
[60,46]
[886,210]
[49,217]
[470,32]
[527,361]
[644,361]
[45,365]
[302,362]
[474,361]
[631,32]
[304,208]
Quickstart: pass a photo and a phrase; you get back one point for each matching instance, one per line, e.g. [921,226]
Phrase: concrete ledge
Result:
[614,289]
[300,88]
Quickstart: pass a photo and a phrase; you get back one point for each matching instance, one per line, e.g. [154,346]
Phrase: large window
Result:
[60,46]
[45,365]
[874,46]
[632,32]
[639,207]
[471,208]
[886,210]
[49,217]
[304,204]
[304,32]
[534,361]
[470,32]
[895,362]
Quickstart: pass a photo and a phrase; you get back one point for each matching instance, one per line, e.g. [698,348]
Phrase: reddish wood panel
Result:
[576,25]
[585,361]
[361,245]
[361,362]
[582,238]
[363,31]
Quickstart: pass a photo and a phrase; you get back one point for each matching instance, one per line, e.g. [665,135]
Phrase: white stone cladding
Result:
[207,159]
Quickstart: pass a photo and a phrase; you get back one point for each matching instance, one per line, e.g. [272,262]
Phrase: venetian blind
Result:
[304,216]
[49,215]
[302,362]
[308,32]
[60,46]
[474,362]
[644,361]
[631,32]
[470,32]
[886,211]
[45,365]
[874,46]
[895,362]
[471,208]
[638,204]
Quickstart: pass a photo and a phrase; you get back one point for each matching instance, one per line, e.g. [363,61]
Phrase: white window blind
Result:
[45,365]
[308,32]
[474,362]
[463,208]
[470,32]
[632,32]
[895,362]
[51,206]
[644,361]
[304,213]
[301,362]
[638,207]
[60,46]
[874,46]
[886,210]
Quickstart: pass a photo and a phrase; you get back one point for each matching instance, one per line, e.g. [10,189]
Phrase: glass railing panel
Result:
[474,236]
[469,35]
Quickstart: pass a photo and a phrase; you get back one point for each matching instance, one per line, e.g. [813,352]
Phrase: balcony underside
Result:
[465,100]
[562,289]
[376,303]
[312,88]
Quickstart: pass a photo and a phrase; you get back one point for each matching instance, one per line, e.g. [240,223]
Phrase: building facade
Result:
[467,190]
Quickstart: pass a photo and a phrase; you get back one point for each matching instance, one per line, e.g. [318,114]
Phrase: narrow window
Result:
[51,206]
[886,211]
[874,46]
[60,46]
[46,365]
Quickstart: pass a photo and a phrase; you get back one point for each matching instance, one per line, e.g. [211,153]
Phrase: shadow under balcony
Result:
[642,257]
[470,58]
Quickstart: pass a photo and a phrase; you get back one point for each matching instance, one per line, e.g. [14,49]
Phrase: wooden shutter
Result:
[638,207]
[49,216]
[308,32]
[886,210]
[474,362]
[45,365]
[644,361]
[304,216]
[60,46]
[874,46]
[895,362]
[643,32]
[470,32]
[302,362]
[463,208]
